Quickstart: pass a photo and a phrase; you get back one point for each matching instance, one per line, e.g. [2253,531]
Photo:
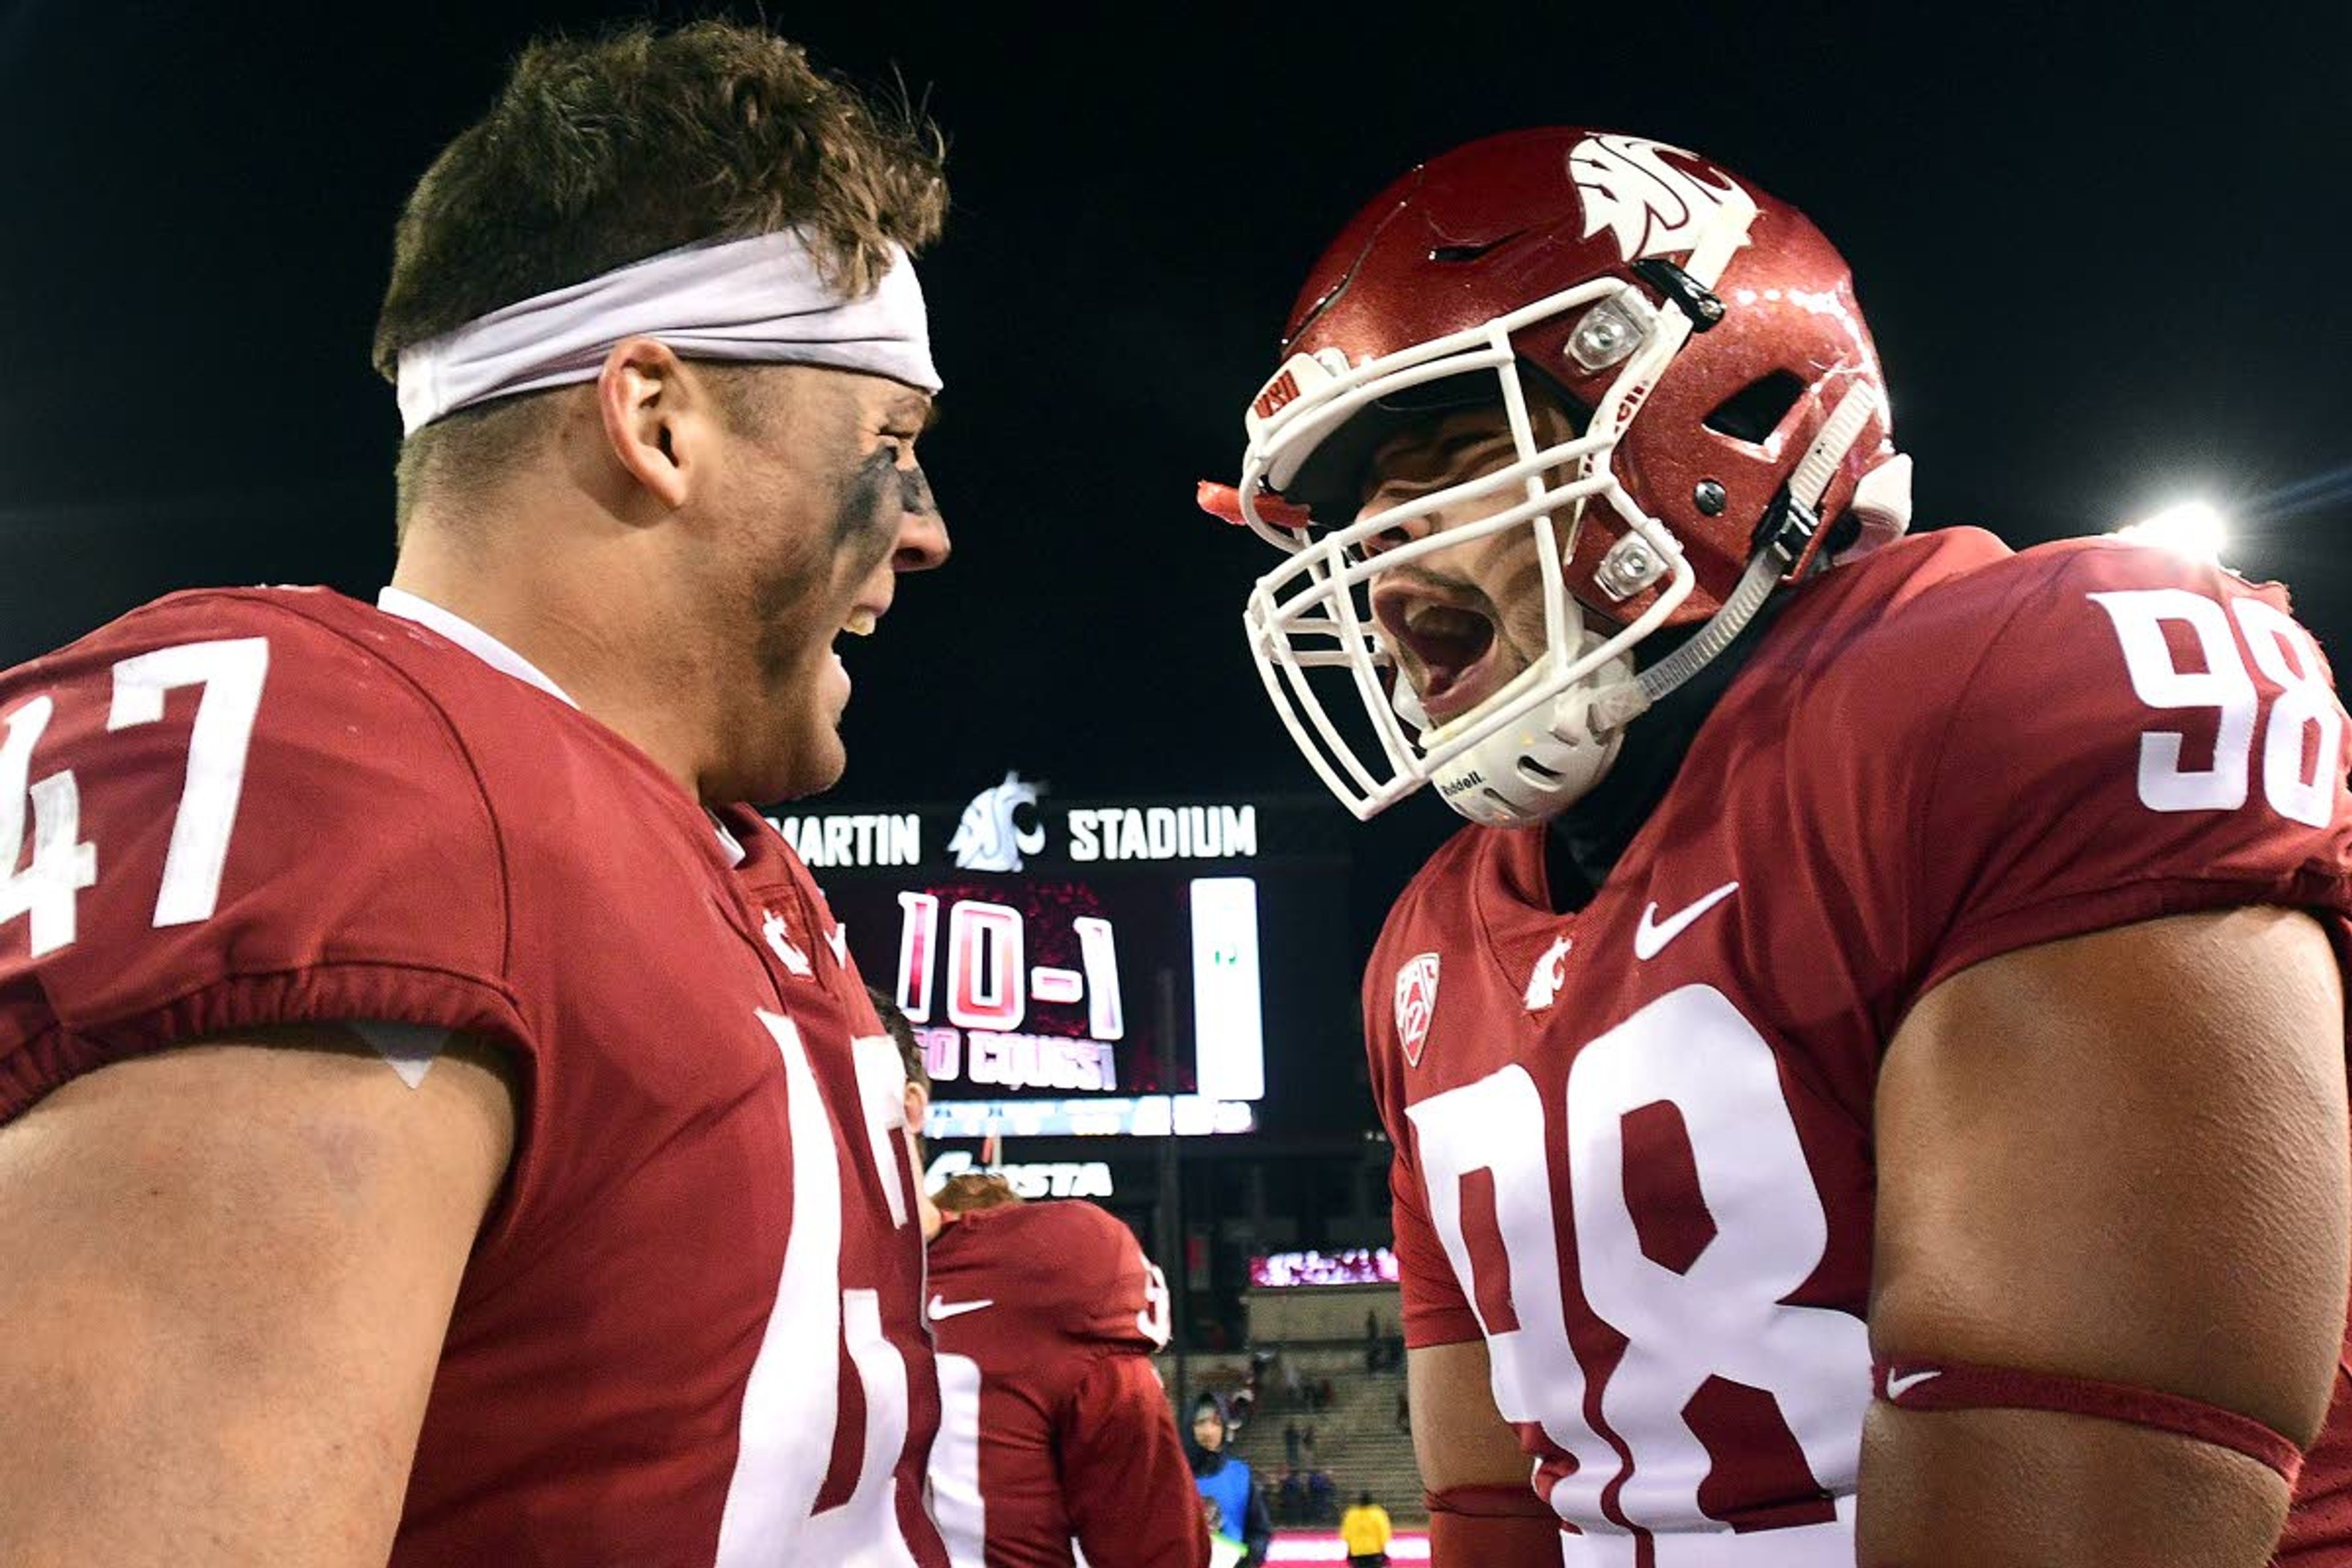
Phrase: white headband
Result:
[759,299]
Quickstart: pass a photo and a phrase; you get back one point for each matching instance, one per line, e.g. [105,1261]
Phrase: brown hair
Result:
[601,151]
[969,1191]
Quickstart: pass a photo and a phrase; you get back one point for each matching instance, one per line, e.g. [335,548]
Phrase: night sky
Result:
[2103,256]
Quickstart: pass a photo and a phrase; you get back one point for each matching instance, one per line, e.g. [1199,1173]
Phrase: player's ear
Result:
[656,415]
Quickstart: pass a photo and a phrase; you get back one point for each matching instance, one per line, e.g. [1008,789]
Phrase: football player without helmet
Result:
[434,1125]
[1909,1133]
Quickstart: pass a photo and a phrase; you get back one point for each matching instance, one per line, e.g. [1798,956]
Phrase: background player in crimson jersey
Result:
[1056,1443]
[1872,1085]
[436,1121]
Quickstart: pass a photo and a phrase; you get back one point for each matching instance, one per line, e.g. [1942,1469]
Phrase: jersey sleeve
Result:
[1118,1297]
[236,819]
[1129,1491]
[1433,1306]
[2141,737]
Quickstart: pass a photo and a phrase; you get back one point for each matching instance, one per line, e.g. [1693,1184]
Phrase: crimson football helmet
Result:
[1730,418]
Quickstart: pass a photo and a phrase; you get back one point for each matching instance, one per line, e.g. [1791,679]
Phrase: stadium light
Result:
[2192,529]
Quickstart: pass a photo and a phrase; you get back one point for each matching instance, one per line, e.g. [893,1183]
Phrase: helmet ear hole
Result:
[1756,410]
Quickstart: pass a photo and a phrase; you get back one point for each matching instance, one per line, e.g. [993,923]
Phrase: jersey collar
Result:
[472,638]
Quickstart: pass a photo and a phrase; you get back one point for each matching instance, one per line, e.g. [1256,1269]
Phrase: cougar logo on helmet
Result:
[987,839]
[1650,206]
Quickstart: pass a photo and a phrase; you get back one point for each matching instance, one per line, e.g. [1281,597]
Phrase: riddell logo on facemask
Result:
[1278,393]
[1449,789]
[1634,400]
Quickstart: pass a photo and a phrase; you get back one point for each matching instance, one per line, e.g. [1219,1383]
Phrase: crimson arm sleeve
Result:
[1131,1494]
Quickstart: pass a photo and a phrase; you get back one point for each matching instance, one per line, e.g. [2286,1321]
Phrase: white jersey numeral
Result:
[1722,1315]
[231,673]
[2304,723]
[792,1403]
[882,1096]
[62,864]
[957,1506]
[1152,1321]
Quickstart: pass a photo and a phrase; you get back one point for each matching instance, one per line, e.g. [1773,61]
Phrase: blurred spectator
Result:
[1290,1444]
[1226,1481]
[1364,1531]
[1290,1502]
[1322,1497]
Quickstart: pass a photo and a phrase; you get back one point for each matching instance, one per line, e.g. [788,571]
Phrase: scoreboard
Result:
[1093,967]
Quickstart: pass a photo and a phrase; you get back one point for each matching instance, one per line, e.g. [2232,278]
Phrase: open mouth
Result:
[1450,646]
[858,623]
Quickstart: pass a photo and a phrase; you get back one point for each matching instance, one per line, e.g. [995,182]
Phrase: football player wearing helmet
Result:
[1870,1084]
[1056,1443]
[439,1122]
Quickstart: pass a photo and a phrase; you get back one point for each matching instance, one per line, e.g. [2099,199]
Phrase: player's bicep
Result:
[1458,1436]
[226,1269]
[2120,1157]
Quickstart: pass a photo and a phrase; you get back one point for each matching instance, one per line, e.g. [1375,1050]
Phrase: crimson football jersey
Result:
[689,1332]
[1055,1429]
[1633,1142]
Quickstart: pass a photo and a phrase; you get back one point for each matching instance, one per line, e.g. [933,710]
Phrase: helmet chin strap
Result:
[1789,528]
[1525,773]
[1615,706]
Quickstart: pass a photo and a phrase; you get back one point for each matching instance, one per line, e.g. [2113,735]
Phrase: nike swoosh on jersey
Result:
[1650,938]
[941,1308]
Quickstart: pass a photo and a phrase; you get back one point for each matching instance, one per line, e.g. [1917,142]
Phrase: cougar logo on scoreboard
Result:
[988,839]
[1416,1003]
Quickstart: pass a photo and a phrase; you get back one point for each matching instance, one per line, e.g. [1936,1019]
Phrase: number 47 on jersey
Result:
[230,674]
